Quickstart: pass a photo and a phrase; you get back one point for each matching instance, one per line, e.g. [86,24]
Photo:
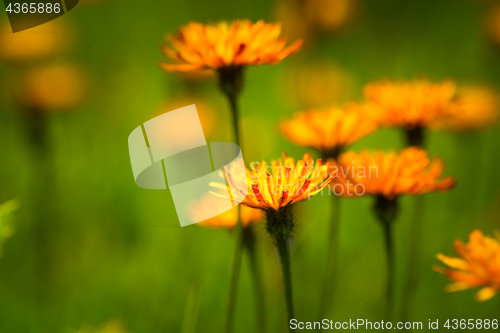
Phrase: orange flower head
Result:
[284,182]
[478,265]
[316,85]
[52,88]
[229,219]
[473,109]
[410,104]
[40,42]
[492,24]
[390,174]
[330,130]
[198,46]
[329,15]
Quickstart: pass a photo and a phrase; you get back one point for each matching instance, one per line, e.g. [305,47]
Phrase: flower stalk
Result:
[231,83]
[386,212]
[280,225]
[414,137]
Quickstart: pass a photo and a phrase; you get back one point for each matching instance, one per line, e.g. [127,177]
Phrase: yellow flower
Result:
[54,87]
[284,182]
[472,109]
[332,130]
[229,219]
[241,43]
[390,174]
[410,104]
[39,42]
[478,265]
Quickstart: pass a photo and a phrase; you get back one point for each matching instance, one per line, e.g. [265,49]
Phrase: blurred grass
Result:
[115,249]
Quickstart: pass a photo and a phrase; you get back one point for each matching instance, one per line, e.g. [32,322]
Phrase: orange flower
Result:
[410,172]
[317,84]
[55,87]
[329,15]
[473,109]
[478,266]
[229,219]
[410,104]
[492,24]
[331,130]
[39,42]
[284,182]
[242,43]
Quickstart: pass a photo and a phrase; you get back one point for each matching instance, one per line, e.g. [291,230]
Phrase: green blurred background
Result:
[90,246]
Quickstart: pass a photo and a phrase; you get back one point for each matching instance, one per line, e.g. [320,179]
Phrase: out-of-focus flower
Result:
[317,84]
[52,88]
[472,109]
[205,110]
[291,15]
[303,18]
[328,15]
[478,265]
[390,174]
[241,43]
[493,24]
[39,42]
[410,104]
[229,219]
[284,182]
[331,130]
[112,326]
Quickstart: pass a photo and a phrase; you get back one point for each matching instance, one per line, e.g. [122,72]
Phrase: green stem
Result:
[414,137]
[260,304]
[283,246]
[390,269]
[280,225]
[231,82]
[414,257]
[386,211]
[330,275]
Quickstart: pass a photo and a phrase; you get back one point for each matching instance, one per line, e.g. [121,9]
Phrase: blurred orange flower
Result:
[331,130]
[329,15]
[39,42]
[229,219]
[51,88]
[410,104]
[284,182]
[317,84]
[493,24]
[478,265]
[390,174]
[204,106]
[472,109]
[302,18]
[241,43]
